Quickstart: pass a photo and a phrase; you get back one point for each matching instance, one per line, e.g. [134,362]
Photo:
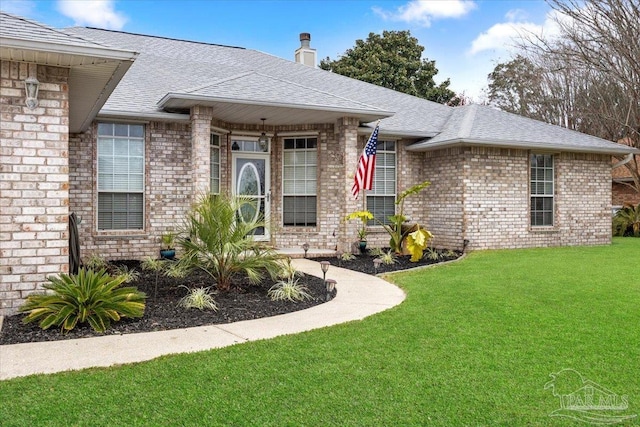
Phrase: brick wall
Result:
[168,191]
[623,194]
[34,181]
[482,194]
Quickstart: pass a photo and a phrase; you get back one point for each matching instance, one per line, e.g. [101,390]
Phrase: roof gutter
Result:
[202,99]
[426,146]
[106,53]
[623,162]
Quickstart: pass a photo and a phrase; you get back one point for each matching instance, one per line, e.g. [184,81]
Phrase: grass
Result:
[473,344]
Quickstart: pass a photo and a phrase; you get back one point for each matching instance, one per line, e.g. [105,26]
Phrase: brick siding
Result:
[34,181]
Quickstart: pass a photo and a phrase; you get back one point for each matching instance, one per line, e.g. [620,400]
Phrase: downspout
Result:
[624,161]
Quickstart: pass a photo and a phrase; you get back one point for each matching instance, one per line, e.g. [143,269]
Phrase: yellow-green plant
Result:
[388,258]
[89,296]
[417,242]
[395,227]
[364,217]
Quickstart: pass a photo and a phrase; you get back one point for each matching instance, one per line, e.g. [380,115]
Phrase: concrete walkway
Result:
[359,295]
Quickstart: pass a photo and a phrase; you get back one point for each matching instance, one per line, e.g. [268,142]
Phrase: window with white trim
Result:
[215,164]
[542,190]
[120,176]
[382,197]
[299,181]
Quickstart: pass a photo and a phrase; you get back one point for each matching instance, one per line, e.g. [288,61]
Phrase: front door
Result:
[251,180]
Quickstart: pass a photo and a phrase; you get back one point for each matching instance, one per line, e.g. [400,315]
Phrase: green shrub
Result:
[200,298]
[432,254]
[346,256]
[376,252]
[626,221]
[89,296]
[216,241]
[95,262]
[287,270]
[289,290]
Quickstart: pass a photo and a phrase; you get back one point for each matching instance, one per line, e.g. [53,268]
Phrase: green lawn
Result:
[473,344]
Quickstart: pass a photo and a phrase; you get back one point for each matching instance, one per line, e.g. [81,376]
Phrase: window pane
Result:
[120,169]
[299,181]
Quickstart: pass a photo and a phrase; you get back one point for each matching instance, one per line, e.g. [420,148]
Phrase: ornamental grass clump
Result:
[90,296]
[289,290]
[200,298]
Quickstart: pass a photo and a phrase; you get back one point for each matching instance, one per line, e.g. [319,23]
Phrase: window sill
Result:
[543,229]
[123,235]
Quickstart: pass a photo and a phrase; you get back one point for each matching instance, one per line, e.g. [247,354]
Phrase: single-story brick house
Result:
[131,128]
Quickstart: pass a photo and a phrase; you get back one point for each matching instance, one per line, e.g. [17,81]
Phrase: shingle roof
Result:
[484,125]
[168,66]
[19,28]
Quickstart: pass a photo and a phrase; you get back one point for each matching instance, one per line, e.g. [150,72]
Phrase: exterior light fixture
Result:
[305,248]
[376,264]
[330,284]
[324,265]
[263,141]
[31,86]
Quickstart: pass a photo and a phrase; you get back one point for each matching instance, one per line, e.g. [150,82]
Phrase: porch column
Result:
[200,153]
[347,135]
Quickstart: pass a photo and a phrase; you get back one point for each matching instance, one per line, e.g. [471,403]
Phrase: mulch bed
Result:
[162,312]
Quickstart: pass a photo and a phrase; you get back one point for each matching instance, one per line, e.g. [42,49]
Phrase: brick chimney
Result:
[305,54]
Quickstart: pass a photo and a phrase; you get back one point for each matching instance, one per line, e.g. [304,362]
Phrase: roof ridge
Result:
[466,124]
[219,81]
[318,91]
[162,37]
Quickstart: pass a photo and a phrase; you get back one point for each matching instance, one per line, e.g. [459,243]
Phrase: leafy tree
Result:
[392,60]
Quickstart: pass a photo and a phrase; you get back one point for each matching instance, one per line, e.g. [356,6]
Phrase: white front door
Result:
[251,179]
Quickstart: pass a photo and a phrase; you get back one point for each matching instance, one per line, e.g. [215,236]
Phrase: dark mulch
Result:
[163,313]
[364,263]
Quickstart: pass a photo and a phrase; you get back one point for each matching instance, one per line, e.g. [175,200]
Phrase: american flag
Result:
[366,165]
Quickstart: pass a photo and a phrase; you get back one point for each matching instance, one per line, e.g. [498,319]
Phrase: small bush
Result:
[626,221]
[376,252]
[432,254]
[388,258]
[200,298]
[95,262]
[89,296]
[287,270]
[289,290]
[128,275]
[346,256]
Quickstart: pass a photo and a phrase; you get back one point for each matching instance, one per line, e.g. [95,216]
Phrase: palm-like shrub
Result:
[627,221]
[89,296]
[218,241]
[200,298]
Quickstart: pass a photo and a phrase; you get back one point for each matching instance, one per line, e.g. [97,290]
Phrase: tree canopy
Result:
[586,78]
[393,60]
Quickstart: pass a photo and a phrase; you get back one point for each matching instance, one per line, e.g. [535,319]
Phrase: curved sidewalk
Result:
[359,295]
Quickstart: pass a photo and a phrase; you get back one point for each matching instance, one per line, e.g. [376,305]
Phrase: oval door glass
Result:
[249,185]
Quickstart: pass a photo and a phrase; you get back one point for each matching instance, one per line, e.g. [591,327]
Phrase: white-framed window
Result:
[299,181]
[214,150]
[382,197]
[120,176]
[542,190]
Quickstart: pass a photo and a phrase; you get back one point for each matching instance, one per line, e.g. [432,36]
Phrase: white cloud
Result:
[96,13]
[17,7]
[506,35]
[424,11]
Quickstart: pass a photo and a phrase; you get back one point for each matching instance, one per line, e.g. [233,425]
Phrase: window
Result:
[120,176]
[542,183]
[215,164]
[299,179]
[382,197]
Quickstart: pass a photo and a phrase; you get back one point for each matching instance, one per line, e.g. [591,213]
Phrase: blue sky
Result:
[466,38]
